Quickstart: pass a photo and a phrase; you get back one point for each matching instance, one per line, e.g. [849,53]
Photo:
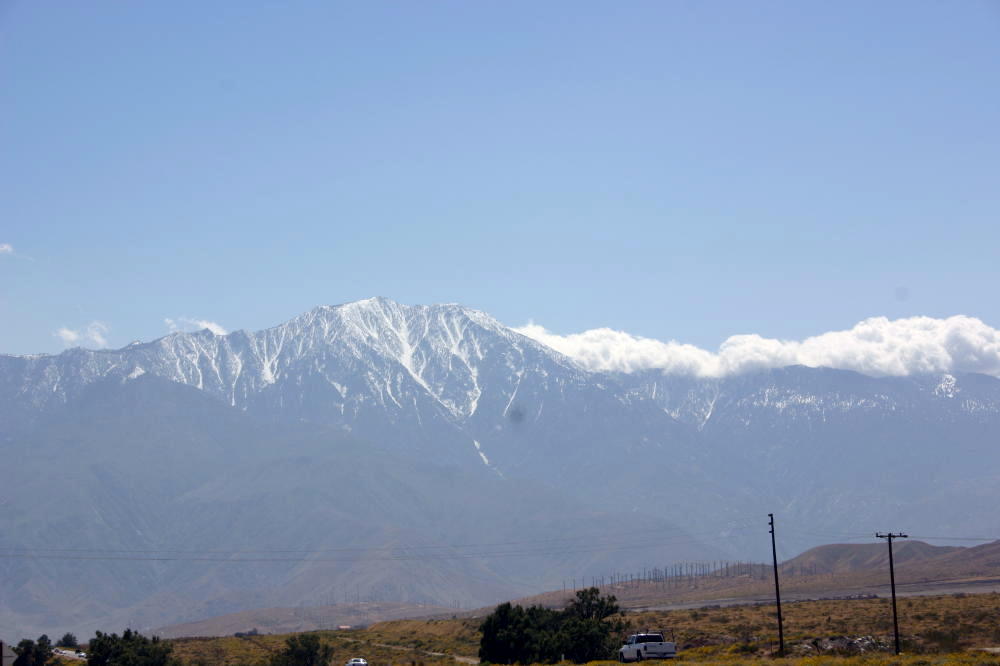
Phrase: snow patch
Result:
[947,388]
[479,450]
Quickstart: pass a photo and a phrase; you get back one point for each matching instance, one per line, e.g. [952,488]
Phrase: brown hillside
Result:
[845,558]
[978,561]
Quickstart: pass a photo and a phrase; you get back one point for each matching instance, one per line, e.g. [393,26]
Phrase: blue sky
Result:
[678,170]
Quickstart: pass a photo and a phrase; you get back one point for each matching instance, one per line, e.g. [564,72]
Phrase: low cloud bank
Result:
[876,346]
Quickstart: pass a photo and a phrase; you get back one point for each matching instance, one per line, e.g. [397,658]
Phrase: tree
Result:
[33,653]
[515,635]
[303,650]
[68,641]
[581,633]
[129,649]
[502,631]
[590,605]
[587,633]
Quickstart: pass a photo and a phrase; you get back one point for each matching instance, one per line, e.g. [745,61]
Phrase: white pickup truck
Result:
[647,645]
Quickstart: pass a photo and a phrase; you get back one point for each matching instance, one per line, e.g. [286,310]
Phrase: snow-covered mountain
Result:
[386,351]
[443,378]
[444,395]
[456,385]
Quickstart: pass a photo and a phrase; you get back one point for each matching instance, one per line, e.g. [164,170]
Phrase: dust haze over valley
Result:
[375,451]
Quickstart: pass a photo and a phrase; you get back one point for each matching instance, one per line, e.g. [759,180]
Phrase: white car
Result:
[357,661]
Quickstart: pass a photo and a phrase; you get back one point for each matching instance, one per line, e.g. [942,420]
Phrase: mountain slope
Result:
[145,502]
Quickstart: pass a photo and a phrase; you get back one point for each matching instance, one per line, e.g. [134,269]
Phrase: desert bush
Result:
[945,640]
[303,650]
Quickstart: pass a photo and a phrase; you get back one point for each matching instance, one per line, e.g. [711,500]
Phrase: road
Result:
[68,654]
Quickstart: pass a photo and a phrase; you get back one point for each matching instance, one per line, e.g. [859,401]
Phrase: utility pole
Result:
[892,581]
[777,589]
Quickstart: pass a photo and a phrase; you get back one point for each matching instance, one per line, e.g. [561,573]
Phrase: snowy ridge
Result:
[795,393]
[404,354]
[427,365]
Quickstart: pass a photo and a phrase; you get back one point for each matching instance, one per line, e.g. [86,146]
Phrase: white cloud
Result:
[68,336]
[876,346]
[96,332]
[189,324]
[94,335]
[6,248]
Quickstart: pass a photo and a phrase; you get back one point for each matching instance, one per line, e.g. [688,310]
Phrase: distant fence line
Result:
[684,573]
[678,574]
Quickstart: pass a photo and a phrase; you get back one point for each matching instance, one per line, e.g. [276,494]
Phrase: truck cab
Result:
[646,645]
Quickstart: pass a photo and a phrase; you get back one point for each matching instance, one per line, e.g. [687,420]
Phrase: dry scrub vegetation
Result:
[257,650]
[935,630]
[927,625]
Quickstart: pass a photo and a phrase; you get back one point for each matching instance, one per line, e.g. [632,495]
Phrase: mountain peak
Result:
[327,361]
[373,318]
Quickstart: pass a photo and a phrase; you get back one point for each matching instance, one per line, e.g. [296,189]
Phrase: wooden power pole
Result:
[777,589]
[892,581]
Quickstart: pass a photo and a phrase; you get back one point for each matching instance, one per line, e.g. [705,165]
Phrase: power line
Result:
[542,543]
[852,537]
[832,536]
[406,552]
[952,538]
[526,548]
[531,547]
